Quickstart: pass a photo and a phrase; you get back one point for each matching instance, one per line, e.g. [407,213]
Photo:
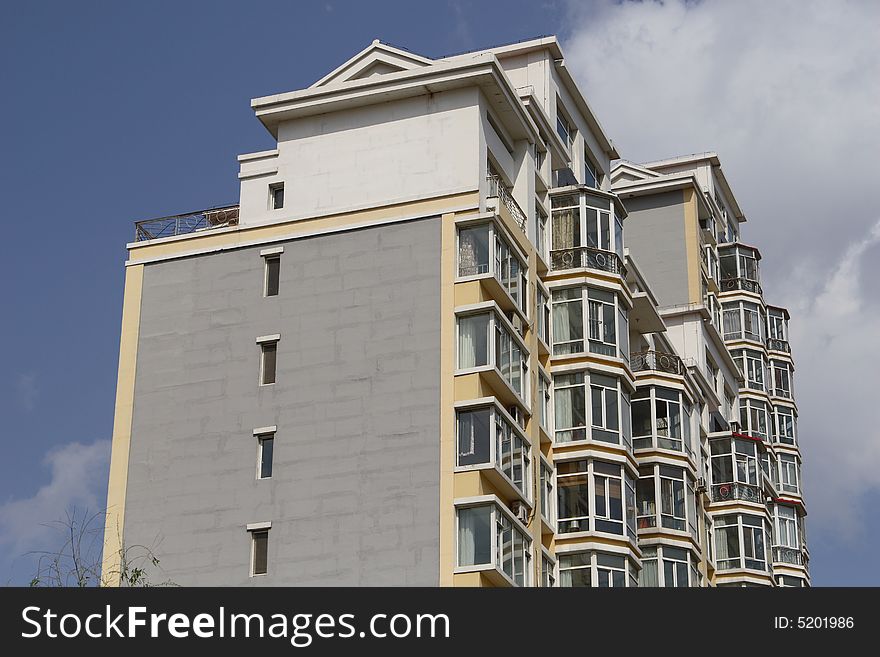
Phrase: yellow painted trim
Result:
[116,489]
[447,398]
[207,241]
[692,246]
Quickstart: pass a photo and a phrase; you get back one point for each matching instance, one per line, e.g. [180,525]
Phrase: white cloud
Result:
[787,93]
[78,476]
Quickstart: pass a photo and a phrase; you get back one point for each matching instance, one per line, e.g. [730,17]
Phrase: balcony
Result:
[586,256]
[746,284]
[735,491]
[774,344]
[788,555]
[184,224]
[645,361]
[500,191]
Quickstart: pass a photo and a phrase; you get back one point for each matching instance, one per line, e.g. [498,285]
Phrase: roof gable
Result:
[376,59]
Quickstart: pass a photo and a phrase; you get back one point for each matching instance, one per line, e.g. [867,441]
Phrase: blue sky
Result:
[113,112]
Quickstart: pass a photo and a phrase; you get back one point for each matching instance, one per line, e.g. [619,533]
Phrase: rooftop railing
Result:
[497,189]
[642,361]
[183,224]
[731,284]
[586,256]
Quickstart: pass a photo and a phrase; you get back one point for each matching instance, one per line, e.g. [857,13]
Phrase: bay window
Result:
[743,320]
[570,403]
[608,497]
[599,569]
[613,498]
[485,436]
[673,514]
[739,268]
[489,536]
[585,233]
[573,508]
[680,567]
[781,383]
[484,250]
[734,461]
[786,423]
[486,339]
[604,315]
[740,542]
[753,417]
[753,366]
[787,534]
[675,567]
[661,418]
[675,490]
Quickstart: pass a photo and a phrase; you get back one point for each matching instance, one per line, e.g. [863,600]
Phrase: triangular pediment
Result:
[624,172]
[376,59]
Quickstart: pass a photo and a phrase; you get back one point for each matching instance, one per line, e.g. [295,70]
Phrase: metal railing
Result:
[735,491]
[498,189]
[183,224]
[788,555]
[774,344]
[587,256]
[729,284]
[641,361]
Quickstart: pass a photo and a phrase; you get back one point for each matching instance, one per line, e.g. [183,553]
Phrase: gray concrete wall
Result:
[354,496]
[654,234]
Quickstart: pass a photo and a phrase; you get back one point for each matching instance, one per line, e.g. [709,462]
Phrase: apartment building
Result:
[424,349]
[684,225]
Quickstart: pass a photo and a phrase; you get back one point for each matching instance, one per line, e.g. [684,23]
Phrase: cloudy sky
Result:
[118,112]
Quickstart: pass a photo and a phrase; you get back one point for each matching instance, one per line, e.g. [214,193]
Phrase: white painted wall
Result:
[369,156]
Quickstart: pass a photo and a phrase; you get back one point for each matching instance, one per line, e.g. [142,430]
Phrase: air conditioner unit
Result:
[520,510]
[701,485]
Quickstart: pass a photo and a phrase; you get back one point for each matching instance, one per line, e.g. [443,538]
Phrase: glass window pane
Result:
[473,348]
[474,536]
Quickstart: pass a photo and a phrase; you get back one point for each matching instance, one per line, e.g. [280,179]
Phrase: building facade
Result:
[428,347]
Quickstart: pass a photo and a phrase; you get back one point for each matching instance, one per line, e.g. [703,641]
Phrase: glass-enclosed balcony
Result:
[777,329]
[486,253]
[735,470]
[741,542]
[491,540]
[739,268]
[586,233]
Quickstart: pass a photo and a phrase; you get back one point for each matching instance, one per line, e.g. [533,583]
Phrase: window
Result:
[645,499]
[603,334]
[606,319]
[788,473]
[740,542]
[568,321]
[584,569]
[485,250]
[541,234]
[777,326]
[543,309]
[786,424]
[737,466]
[268,358]
[265,449]
[786,526]
[276,196]
[752,365]
[485,339]
[487,536]
[547,491]
[487,437]
[259,551]
[585,233]
[573,508]
[781,379]
[273,273]
[564,129]
[592,177]
[608,494]
[605,414]
[473,341]
[672,498]
[657,416]
[544,401]
[570,402]
[610,571]
[548,576]
[575,570]
[570,399]
[753,418]
[649,578]
[675,567]
[743,320]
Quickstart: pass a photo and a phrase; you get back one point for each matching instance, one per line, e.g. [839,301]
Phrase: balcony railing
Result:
[497,189]
[730,284]
[735,491]
[774,344]
[183,224]
[642,361]
[788,555]
[586,256]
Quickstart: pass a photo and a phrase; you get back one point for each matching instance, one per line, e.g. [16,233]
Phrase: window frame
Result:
[499,515]
[588,382]
[256,530]
[516,287]
[262,434]
[266,344]
[565,297]
[274,190]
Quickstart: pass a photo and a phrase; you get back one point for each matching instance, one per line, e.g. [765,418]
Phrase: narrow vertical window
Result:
[276,196]
[273,274]
[259,552]
[265,451]
[268,353]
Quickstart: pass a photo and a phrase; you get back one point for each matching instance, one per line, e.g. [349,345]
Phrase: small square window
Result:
[273,275]
[268,357]
[276,193]
[259,552]
[265,451]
